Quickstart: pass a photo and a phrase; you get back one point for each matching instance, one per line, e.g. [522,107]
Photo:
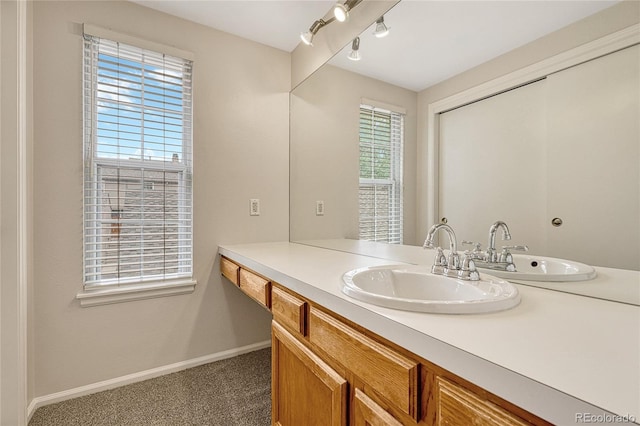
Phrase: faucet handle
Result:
[476,249]
[506,256]
[441,259]
[468,268]
[518,248]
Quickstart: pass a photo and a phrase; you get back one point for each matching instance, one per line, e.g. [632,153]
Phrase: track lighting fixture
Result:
[355,50]
[341,10]
[381,29]
[341,13]
[307,36]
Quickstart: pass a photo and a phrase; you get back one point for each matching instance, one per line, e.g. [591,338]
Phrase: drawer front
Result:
[255,286]
[288,310]
[458,406]
[366,412]
[389,373]
[229,270]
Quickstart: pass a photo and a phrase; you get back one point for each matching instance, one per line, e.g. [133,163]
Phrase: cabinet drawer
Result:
[255,286]
[366,412]
[458,406]
[392,375]
[229,270]
[288,310]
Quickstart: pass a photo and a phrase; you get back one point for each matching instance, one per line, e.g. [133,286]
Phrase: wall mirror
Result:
[548,158]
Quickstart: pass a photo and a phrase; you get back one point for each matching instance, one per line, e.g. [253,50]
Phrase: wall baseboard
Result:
[41,401]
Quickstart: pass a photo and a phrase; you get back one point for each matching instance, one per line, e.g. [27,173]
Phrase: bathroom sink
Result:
[540,268]
[415,288]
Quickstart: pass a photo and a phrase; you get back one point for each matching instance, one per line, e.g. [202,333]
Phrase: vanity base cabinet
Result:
[327,370]
[304,389]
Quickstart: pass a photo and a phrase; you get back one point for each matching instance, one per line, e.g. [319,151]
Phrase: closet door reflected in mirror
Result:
[565,147]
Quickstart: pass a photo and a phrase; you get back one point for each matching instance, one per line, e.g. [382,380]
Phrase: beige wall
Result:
[325,111]
[608,21]
[240,152]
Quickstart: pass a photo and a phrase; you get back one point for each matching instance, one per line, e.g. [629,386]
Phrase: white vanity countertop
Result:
[556,355]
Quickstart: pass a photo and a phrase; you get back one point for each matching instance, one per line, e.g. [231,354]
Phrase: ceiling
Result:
[429,41]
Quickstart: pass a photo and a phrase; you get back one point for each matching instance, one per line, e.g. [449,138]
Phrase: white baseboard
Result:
[41,401]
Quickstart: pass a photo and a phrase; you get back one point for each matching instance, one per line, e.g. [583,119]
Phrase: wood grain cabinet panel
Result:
[459,407]
[230,270]
[255,286]
[288,310]
[389,373]
[367,413]
[304,389]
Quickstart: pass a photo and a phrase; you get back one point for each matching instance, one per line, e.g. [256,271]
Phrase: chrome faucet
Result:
[493,230]
[490,258]
[451,266]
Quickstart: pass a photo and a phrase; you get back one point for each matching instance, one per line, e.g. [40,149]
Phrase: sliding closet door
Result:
[492,166]
[567,147]
[593,117]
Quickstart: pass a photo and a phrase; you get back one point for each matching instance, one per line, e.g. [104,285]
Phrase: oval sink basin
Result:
[540,268]
[415,288]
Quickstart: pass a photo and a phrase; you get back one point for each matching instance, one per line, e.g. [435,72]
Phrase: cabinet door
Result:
[304,389]
[367,413]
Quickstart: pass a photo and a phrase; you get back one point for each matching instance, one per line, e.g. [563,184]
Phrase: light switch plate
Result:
[254,207]
[319,208]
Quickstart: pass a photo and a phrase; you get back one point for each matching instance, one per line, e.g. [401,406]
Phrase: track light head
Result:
[341,10]
[355,50]
[381,29]
[307,36]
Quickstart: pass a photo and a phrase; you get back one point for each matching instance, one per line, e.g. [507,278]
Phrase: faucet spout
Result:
[506,235]
[451,267]
[453,245]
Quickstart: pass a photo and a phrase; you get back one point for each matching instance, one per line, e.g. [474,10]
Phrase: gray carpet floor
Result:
[231,392]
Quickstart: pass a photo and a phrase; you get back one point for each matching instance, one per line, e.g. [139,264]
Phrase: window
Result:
[137,165]
[380,195]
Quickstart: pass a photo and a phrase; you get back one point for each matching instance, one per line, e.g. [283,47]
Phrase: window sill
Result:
[128,293]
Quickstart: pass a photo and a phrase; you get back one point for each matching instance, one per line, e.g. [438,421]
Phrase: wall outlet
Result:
[319,208]
[254,207]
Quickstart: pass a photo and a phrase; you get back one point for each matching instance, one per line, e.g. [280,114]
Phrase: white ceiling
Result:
[276,23]
[429,41]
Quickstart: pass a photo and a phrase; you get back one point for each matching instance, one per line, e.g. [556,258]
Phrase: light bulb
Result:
[307,38]
[341,12]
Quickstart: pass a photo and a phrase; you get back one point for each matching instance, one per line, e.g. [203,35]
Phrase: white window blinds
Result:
[380,195]
[137,164]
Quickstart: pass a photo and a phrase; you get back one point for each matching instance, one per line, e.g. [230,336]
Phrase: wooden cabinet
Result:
[327,370]
[304,389]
